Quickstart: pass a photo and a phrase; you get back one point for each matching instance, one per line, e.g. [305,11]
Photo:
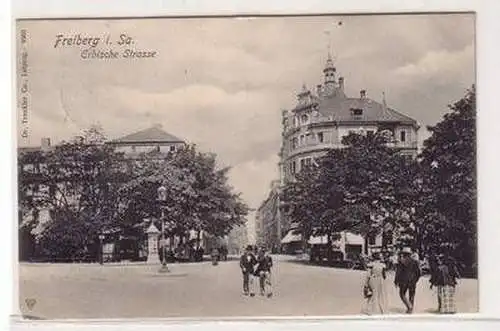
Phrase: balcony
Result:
[405,144]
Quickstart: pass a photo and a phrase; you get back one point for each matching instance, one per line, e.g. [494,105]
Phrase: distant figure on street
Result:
[375,289]
[444,275]
[263,272]
[407,275]
[247,265]
[223,253]
[215,256]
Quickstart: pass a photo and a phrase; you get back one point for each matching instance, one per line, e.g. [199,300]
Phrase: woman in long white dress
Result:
[375,289]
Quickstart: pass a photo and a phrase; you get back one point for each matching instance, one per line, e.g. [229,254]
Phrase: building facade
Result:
[319,121]
[268,224]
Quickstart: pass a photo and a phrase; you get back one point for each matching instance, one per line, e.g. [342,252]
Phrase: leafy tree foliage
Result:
[370,188]
[88,187]
[77,182]
[448,160]
[363,187]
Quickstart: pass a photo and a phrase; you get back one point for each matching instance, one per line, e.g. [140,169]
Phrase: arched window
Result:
[304,119]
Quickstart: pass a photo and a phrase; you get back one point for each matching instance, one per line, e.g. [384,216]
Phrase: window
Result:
[157,148]
[172,148]
[133,148]
[294,142]
[308,162]
[304,118]
[302,163]
[301,140]
[403,136]
[320,137]
[309,138]
[293,168]
[356,111]
[371,240]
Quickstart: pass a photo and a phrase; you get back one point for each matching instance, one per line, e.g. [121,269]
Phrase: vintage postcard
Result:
[229,167]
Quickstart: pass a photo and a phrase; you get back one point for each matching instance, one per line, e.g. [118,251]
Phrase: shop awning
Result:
[292,236]
[317,240]
[353,239]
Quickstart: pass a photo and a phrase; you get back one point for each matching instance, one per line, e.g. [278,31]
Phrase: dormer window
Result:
[356,112]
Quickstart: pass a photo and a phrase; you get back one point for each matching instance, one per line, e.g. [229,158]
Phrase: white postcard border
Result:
[487,56]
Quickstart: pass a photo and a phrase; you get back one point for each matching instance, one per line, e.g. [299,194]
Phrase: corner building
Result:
[320,120]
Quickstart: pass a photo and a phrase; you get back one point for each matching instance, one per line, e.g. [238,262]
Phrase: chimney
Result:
[45,143]
[341,83]
[319,90]
[362,94]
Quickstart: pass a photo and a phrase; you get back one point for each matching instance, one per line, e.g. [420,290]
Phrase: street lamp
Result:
[101,255]
[162,198]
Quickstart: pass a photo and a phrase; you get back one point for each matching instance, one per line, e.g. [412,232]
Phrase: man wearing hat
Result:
[407,275]
[263,272]
[247,265]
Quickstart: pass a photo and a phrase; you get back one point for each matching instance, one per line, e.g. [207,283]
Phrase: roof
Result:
[152,229]
[29,149]
[154,134]
[340,110]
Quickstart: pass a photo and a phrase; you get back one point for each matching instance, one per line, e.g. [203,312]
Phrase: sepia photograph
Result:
[246,166]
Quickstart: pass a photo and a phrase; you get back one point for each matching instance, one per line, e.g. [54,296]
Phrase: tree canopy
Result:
[88,187]
[369,187]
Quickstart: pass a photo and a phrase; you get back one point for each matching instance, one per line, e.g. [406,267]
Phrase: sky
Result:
[221,83]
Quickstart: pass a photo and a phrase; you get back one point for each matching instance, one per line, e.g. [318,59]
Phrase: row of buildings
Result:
[155,141]
[316,124]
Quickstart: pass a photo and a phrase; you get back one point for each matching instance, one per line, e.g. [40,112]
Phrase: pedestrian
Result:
[263,272]
[215,256]
[407,275]
[374,286]
[444,276]
[247,265]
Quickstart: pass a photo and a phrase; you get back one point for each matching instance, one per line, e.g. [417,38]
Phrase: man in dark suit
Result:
[407,275]
[263,272]
[247,265]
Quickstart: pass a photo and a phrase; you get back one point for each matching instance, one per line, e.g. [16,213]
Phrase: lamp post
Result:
[162,198]
[101,253]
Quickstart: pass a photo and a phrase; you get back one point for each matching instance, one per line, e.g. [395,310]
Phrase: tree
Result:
[214,207]
[77,183]
[198,195]
[362,188]
[448,207]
